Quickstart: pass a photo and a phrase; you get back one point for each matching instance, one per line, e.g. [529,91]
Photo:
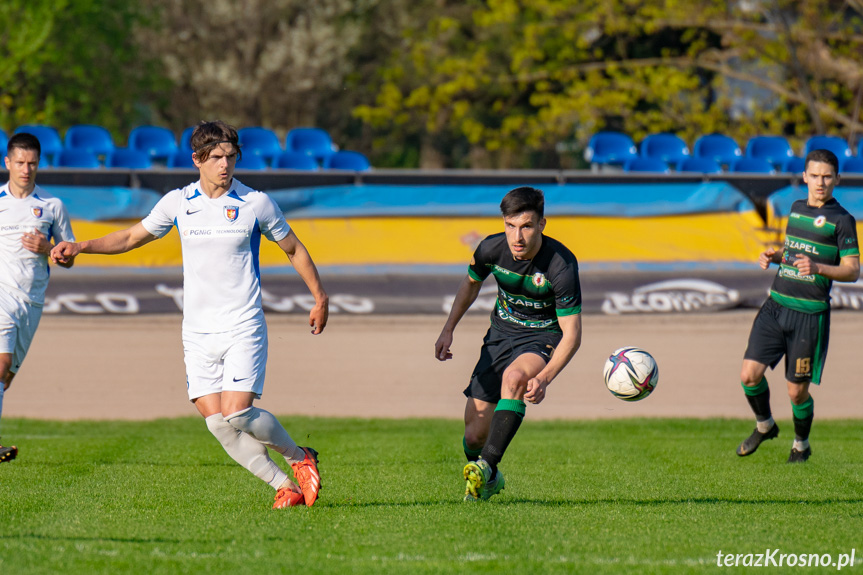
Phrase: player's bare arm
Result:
[570,325]
[769,256]
[464,298]
[114,243]
[302,262]
[37,243]
[848,269]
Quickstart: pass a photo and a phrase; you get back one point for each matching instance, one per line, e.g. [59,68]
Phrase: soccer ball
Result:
[631,374]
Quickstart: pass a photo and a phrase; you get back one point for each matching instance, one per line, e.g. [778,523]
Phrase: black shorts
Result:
[499,349]
[801,337]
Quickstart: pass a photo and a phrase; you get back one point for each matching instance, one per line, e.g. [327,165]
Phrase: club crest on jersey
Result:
[538,279]
[819,221]
[37,212]
[231,213]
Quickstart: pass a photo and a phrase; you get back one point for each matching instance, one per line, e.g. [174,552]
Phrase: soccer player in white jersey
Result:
[220,222]
[29,219]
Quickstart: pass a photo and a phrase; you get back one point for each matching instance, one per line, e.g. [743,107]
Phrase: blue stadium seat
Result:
[128,158]
[852,165]
[699,165]
[347,160]
[860,148]
[77,158]
[4,139]
[295,161]
[720,148]
[312,141]
[752,166]
[260,142]
[186,138]
[94,139]
[251,162]
[49,139]
[835,144]
[640,164]
[181,159]
[773,149]
[157,142]
[610,148]
[669,148]
[794,165]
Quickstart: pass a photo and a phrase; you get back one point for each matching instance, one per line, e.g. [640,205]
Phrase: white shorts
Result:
[231,361]
[18,323]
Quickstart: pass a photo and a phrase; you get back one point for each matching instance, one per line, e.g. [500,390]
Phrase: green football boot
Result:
[478,486]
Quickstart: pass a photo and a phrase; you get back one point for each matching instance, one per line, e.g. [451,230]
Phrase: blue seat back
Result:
[251,162]
[260,142]
[296,161]
[181,159]
[49,139]
[835,144]
[610,148]
[128,158]
[77,158]
[347,160]
[699,165]
[669,148]
[4,140]
[312,141]
[852,165]
[794,165]
[773,149]
[157,142]
[717,147]
[752,166]
[94,139]
[186,139]
[640,164]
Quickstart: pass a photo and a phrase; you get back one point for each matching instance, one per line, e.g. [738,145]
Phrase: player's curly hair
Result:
[207,135]
[524,199]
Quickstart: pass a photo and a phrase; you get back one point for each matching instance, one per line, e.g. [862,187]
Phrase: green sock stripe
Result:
[515,405]
[804,410]
[756,389]
[469,451]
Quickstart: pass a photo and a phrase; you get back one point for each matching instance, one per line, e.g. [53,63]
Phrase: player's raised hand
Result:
[318,316]
[766,258]
[442,345]
[535,390]
[35,242]
[65,252]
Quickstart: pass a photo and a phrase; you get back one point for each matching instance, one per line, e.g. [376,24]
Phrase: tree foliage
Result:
[72,61]
[508,80]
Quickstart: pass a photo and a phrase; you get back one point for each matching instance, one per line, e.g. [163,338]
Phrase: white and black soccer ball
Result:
[631,374]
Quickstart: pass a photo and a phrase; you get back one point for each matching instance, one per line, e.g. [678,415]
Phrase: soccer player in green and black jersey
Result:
[535,330]
[820,248]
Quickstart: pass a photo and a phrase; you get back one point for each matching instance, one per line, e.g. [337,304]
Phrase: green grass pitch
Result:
[627,496]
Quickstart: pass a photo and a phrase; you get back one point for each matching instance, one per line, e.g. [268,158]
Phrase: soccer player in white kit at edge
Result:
[220,222]
[29,219]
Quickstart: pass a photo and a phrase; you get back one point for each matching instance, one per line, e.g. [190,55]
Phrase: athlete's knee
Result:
[221,429]
[751,375]
[475,436]
[242,419]
[514,383]
[798,395]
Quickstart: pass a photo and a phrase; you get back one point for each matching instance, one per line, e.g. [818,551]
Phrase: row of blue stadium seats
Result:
[616,148]
[84,145]
[793,165]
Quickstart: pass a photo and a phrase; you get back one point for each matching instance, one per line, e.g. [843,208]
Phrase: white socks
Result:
[764,426]
[800,445]
[246,451]
[263,426]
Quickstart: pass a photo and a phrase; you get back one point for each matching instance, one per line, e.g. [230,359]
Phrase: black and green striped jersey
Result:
[825,235]
[531,294]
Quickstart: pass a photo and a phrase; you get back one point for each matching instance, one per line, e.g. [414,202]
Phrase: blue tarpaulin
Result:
[850,198]
[94,204]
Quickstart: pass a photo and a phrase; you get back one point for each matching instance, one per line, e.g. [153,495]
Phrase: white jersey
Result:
[221,238]
[23,273]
